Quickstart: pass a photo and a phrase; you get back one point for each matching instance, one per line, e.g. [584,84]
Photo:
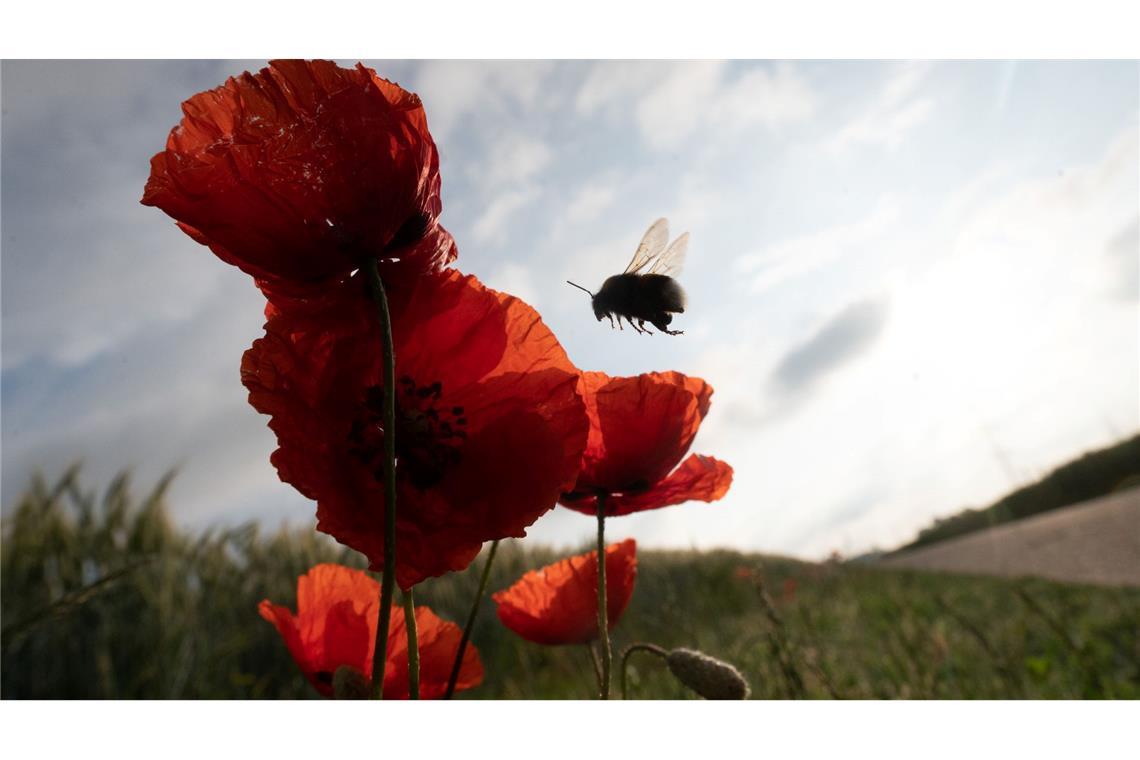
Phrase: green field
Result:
[104,598]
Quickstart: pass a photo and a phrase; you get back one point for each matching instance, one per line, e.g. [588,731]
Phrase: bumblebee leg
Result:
[644,329]
[619,323]
[662,324]
[611,316]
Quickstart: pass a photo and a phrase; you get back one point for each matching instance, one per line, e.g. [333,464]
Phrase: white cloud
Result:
[675,106]
[804,255]
[76,152]
[481,106]
[79,322]
[896,110]
[508,181]
[452,90]
[1123,251]
[1057,221]
[515,279]
[676,102]
[511,160]
[610,86]
[168,395]
[765,97]
[590,200]
[493,225]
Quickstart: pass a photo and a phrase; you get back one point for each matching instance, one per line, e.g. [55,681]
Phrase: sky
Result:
[914,286]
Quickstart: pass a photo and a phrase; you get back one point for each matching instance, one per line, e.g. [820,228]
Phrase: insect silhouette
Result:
[646,290]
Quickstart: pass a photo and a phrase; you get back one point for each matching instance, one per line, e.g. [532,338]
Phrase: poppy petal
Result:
[699,478]
[300,172]
[437,642]
[559,603]
[647,423]
[286,624]
[335,624]
[335,627]
[640,429]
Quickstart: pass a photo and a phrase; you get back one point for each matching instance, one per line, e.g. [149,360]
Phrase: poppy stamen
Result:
[427,442]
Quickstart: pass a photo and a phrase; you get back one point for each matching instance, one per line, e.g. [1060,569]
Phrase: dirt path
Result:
[1096,541]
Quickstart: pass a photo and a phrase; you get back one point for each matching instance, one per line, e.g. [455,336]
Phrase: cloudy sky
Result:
[914,286]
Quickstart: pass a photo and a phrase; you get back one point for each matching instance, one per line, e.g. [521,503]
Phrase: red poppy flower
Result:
[559,603]
[490,426]
[640,428]
[300,172]
[437,641]
[335,626]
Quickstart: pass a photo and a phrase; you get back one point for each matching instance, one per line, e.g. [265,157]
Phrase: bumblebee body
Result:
[640,298]
[646,290]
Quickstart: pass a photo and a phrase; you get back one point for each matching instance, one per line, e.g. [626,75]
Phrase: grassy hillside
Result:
[102,597]
[1096,473]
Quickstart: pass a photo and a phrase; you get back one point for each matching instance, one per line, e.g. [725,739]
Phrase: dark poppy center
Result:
[631,489]
[428,433]
[411,231]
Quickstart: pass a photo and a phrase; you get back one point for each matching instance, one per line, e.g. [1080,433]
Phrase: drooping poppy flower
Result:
[301,172]
[640,428]
[559,603]
[437,641]
[490,426]
[335,626]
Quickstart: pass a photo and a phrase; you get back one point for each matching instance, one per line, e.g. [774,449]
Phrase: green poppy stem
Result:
[388,582]
[640,647]
[597,665]
[413,646]
[470,625]
[603,610]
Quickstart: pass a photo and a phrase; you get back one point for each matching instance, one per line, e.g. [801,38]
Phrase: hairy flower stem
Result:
[470,625]
[597,665]
[640,647]
[413,646]
[389,580]
[603,611]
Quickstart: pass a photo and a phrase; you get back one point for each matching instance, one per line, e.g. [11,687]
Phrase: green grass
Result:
[102,597]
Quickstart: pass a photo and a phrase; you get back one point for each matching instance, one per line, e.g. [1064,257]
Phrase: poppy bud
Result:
[350,683]
[707,676]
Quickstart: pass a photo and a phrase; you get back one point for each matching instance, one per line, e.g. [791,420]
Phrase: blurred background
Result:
[913,285]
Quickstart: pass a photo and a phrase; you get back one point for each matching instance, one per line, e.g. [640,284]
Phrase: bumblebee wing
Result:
[671,262]
[652,244]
